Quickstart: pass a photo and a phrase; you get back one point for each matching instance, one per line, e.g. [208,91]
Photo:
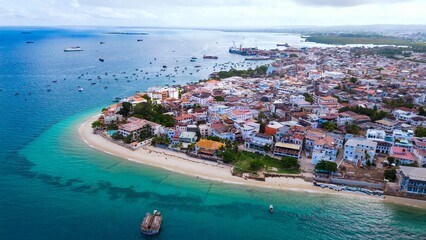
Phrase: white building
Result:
[359,150]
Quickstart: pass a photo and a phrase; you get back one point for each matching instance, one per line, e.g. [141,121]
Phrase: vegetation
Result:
[329,126]
[308,97]
[420,131]
[352,128]
[152,112]
[219,99]
[96,124]
[125,109]
[257,72]
[326,166]
[373,113]
[251,162]
[353,80]
[394,103]
[422,111]
[363,39]
[391,160]
[164,140]
[390,174]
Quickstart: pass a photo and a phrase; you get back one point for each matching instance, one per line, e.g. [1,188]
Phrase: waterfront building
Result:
[359,150]
[287,150]
[412,180]
[208,147]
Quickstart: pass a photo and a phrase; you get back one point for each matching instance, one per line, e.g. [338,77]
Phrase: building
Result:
[135,126]
[388,126]
[402,155]
[258,141]
[187,138]
[421,156]
[359,150]
[412,180]
[287,150]
[205,130]
[208,147]
[238,114]
[324,149]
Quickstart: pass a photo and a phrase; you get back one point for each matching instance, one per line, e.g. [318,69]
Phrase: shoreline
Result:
[203,169]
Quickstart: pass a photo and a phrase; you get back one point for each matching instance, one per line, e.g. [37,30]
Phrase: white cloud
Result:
[213,13]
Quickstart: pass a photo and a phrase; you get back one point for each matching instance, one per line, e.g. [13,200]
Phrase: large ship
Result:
[244,51]
[283,45]
[209,57]
[73,49]
[257,58]
[151,224]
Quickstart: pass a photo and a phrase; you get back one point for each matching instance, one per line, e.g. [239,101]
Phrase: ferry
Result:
[151,224]
[257,58]
[73,49]
[283,45]
[209,57]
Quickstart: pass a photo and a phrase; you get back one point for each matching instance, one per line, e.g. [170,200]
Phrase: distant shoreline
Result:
[183,164]
[127,33]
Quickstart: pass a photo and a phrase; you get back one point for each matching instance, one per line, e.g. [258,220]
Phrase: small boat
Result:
[17,93]
[73,49]
[80,89]
[55,81]
[101,42]
[101,59]
[151,224]
[140,40]
[271,208]
[105,87]
[48,90]
[164,66]
[28,42]
[282,45]
[210,57]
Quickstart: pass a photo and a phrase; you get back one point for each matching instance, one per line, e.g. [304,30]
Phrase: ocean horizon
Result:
[54,186]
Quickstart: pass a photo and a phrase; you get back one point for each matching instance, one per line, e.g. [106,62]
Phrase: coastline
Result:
[183,164]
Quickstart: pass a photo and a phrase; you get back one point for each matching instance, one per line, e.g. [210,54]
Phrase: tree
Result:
[422,111]
[327,166]
[229,156]
[420,131]
[329,126]
[96,124]
[352,128]
[390,174]
[308,97]
[290,163]
[125,109]
[219,99]
[391,160]
[353,80]
[128,139]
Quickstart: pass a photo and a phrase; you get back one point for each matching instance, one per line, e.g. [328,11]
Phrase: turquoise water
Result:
[111,132]
[54,186]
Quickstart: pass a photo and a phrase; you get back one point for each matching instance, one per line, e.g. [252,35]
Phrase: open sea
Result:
[54,186]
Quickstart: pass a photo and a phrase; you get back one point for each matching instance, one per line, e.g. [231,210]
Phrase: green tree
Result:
[391,160]
[128,139]
[422,111]
[329,126]
[420,131]
[352,128]
[290,163]
[326,166]
[308,97]
[219,99]
[96,124]
[353,80]
[125,109]
[390,174]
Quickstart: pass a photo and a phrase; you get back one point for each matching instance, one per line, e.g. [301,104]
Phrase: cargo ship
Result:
[73,49]
[209,57]
[244,51]
[257,58]
[151,224]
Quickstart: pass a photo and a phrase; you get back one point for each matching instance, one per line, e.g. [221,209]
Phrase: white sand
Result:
[181,163]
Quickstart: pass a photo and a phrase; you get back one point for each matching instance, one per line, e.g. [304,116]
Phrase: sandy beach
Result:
[181,163]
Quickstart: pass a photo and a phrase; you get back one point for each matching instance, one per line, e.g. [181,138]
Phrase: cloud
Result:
[345,3]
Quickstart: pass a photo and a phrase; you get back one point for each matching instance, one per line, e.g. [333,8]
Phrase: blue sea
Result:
[53,186]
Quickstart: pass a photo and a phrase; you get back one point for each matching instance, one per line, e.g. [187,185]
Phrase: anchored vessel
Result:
[73,49]
[257,58]
[210,57]
[271,208]
[151,223]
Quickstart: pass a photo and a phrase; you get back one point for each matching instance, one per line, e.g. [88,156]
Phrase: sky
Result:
[210,13]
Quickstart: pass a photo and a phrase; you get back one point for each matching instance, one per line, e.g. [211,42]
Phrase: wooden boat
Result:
[151,224]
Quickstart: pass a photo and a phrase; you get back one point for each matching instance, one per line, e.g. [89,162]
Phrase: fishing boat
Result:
[80,89]
[73,49]
[271,208]
[101,42]
[101,60]
[151,224]
[140,40]
[28,42]
[210,57]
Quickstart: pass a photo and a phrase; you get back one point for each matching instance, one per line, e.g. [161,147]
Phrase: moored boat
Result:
[257,58]
[151,224]
[271,208]
[101,59]
[73,49]
[210,57]
[283,45]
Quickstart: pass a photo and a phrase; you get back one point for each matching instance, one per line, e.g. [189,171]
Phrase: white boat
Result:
[271,208]
[80,89]
[73,49]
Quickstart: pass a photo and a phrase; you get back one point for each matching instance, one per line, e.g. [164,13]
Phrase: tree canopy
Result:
[326,166]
